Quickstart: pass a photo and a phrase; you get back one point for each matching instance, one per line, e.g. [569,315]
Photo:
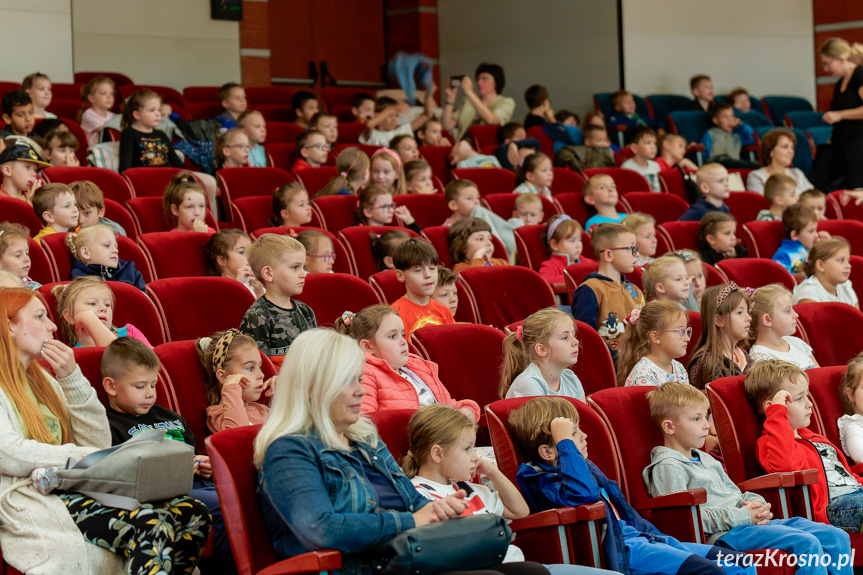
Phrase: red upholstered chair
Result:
[745,206]
[116,212]
[119,79]
[241,182]
[677,236]
[572,204]
[201,94]
[349,132]
[186,305]
[546,144]
[343,260]
[149,181]
[205,110]
[358,245]
[269,95]
[566,181]
[236,478]
[626,180]
[504,204]
[531,247]
[843,207]
[336,212]
[314,179]
[713,276]
[856,276]
[61,260]
[834,330]
[595,368]
[663,207]
[276,113]
[282,156]
[574,274]
[824,383]
[41,269]
[15,210]
[755,272]
[283,132]
[437,236]
[175,255]
[488,180]
[149,216]
[672,182]
[762,239]
[484,135]
[392,427]
[65,108]
[504,294]
[438,158]
[851,230]
[329,295]
[89,359]
[427,210]
[112,184]
[692,345]
[254,212]
[390,289]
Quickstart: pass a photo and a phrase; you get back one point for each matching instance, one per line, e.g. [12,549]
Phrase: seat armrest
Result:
[686,498]
[313,562]
[810,476]
[561,516]
[620,128]
[548,518]
[587,512]
[769,481]
[695,147]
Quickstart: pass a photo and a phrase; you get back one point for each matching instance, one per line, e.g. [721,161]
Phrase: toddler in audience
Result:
[559,474]
[327,124]
[827,269]
[600,192]
[313,150]
[717,238]
[470,245]
[15,253]
[538,103]
[851,423]
[232,97]
[364,108]
[712,182]
[739,98]
[320,253]
[431,134]
[38,87]
[446,291]
[384,125]
[563,243]
[375,207]
[416,263]
[18,114]
[55,207]
[275,319]
[731,518]
[644,228]
[606,298]
[780,391]
[352,165]
[514,146]
[91,206]
[235,381]
[665,278]
[95,253]
[383,246]
[642,143]
[462,198]
[184,205]
[725,324]
[800,226]
[418,178]
[537,357]
[672,152]
[98,96]
[528,210]
[225,256]
[780,191]
[386,170]
[406,147]
[695,274]
[597,137]
[815,200]
[254,126]
[291,206]
[771,333]
[654,340]
[141,143]
[624,114]
[701,87]
[305,106]
[85,310]
[232,149]
[535,175]
[724,141]
[19,167]
[60,148]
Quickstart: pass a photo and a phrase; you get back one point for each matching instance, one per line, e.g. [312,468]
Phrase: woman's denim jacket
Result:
[317,497]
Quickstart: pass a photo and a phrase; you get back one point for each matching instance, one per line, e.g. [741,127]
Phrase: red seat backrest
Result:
[65,108]
[201,94]
[546,144]
[626,180]
[437,236]
[504,205]
[392,427]
[851,230]
[671,181]
[329,295]
[358,245]
[283,132]
[149,181]
[186,305]
[755,272]
[205,110]
[531,247]
[254,212]
[336,212]
[282,155]
[241,182]
[856,276]
[572,204]
[438,158]
[427,210]
[116,212]
[484,135]
[566,181]
[762,239]
[349,132]
[574,274]
[276,113]
[824,386]
[19,211]
[89,359]
[680,235]
[368,149]
[112,184]
[61,260]
[692,345]
[149,215]
[269,95]
[488,180]
[834,330]
[745,206]
[175,255]
[314,179]
[713,276]
[504,294]
[594,368]
[41,269]
[663,207]
[343,260]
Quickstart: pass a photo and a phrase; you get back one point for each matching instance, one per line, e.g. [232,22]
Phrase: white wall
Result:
[569,46]
[762,45]
[36,35]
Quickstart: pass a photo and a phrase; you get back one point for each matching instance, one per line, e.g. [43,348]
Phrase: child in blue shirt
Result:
[800,225]
[600,191]
[712,182]
[625,115]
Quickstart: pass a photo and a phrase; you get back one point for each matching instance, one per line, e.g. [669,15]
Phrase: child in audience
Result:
[225,256]
[731,518]
[666,278]
[275,319]
[98,97]
[38,87]
[60,148]
[827,269]
[535,175]
[431,134]
[695,274]
[644,228]
[406,147]
[327,124]
[780,192]
[470,245]
[771,333]
[363,108]
[800,226]
[418,178]
[320,253]
[537,100]
[19,167]
[816,200]
[291,206]
[739,98]
[723,142]
[528,209]
[184,205]
[624,114]
[462,198]
[563,244]
[672,149]
[313,149]
[717,238]
[352,165]
[567,118]
[701,87]
[375,207]
[642,143]
[712,181]
[416,263]
[851,423]
[232,149]
[95,253]
[725,324]
[85,310]
[654,339]
[446,291]
[383,246]
[232,97]
[254,126]
[384,125]
[305,106]
[606,298]
[537,357]
[141,144]
[235,381]
[600,192]
[514,146]
[55,207]
[780,391]
[91,206]
[560,475]
[15,253]
[18,114]
[386,170]
[597,137]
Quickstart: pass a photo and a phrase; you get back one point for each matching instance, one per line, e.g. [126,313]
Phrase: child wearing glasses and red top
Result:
[375,207]
[313,148]
[655,337]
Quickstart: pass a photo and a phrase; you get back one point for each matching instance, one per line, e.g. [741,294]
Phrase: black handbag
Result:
[459,544]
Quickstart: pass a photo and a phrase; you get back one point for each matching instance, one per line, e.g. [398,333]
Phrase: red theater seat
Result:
[330,295]
[358,244]
[677,236]
[89,359]
[834,330]
[754,272]
[283,133]
[112,184]
[504,294]
[427,210]
[314,179]
[762,239]
[488,180]
[663,207]
[20,212]
[336,212]
[61,260]
[149,216]
[175,255]
[745,206]
[149,181]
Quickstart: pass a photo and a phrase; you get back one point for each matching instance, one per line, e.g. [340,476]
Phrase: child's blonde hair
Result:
[351,164]
[776,185]
[84,237]
[366,200]
[559,228]
[224,140]
[214,352]
[458,234]
[765,378]
[282,198]
[67,295]
[9,232]
[392,158]
[519,348]
[850,382]
[657,271]
[525,199]
[531,423]
[655,316]
[669,399]
[87,195]
[432,425]
[269,250]
[824,250]
[764,302]
[718,300]
[637,219]
[363,324]
[175,192]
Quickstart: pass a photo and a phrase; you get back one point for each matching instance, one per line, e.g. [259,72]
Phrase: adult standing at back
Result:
[483,105]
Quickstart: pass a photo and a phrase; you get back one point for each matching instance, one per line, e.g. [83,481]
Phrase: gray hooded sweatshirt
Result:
[670,471]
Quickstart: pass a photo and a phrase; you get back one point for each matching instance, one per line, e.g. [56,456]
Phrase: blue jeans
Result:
[846,512]
[797,536]
[675,557]
[204,490]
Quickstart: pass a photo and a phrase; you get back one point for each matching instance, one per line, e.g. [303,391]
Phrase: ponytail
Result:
[514,362]
[432,425]
[518,346]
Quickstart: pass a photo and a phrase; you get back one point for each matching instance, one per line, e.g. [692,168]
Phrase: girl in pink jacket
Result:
[394,378]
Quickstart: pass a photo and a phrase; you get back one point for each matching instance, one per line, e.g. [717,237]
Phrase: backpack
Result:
[580,158]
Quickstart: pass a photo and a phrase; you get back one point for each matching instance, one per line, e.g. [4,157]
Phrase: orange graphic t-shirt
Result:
[416,316]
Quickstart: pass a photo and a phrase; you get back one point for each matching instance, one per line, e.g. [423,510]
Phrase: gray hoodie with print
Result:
[670,471]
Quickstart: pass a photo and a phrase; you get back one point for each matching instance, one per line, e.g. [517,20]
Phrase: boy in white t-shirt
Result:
[384,125]
[642,142]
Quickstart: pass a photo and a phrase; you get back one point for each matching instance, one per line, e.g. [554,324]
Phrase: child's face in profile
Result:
[20,176]
[433,134]
[725,120]
[192,208]
[695,273]
[365,112]
[316,150]
[299,210]
[799,407]
[237,151]
[255,128]
[786,198]
[381,212]
[447,295]
[65,212]
[236,102]
[783,316]
[530,213]
[148,115]
[704,90]
[622,259]
[549,452]
[102,98]
[675,284]
[309,109]
[289,275]
[818,205]
[627,105]
[743,103]
[388,342]
[408,150]
[320,259]
[807,236]
[837,269]
[738,322]
[97,299]
[572,246]
[89,216]
[645,239]
[461,460]
[134,392]
[674,149]
[329,127]
[467,200]
[691,426]
[724,238]
[674,340]
[16,258]
[102,251]
[236,259]
[543,175]
[645,148]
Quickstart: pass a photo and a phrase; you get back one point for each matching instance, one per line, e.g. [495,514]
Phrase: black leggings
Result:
[839,166]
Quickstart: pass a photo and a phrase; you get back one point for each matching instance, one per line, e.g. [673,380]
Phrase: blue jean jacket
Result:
[316,497]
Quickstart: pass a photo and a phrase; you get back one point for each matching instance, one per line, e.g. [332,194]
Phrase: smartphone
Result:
[455,81]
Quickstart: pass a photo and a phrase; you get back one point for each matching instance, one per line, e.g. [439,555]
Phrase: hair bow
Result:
[347,317]
[518,331]
[634,315]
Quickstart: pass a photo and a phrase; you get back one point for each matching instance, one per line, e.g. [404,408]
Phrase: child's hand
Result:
[37,183]
[269,385]
[244,272]
[60,358]
[759,513]
[450,94]
[82,316]
[404,214]
[237,379]
[446,142]
[561,428]
[199,226]
[258,287]
[822,235]
[711,445]
[426,189]
[782,397]
[203,467]
[486,467]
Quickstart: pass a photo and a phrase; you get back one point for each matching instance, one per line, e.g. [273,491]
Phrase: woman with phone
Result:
[483,104]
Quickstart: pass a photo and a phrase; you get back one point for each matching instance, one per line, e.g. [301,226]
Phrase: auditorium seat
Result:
[566,181]
[626,180]
[349,132]
[283,133]
[438,158]
[281,156]
[61,259]
[677,236]
[258,95]
[427,210]
[149,181]
[762,239]
[358,245]
[849,229]
[662,207]
[488,180]
[834,330]
[174,255]
[745,206]
[504,294]
[112,184]
[574,274]
[336,212]
[755,272]
[330,295]
[314,179]
[20,212]
[41,269]
[149,215]
[484,135]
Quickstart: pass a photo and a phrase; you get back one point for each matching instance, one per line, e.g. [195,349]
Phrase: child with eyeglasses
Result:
[313,148]
[375,207]
[320,252]
[232,149]
[655,338]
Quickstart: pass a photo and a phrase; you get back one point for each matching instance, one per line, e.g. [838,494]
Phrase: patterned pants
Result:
[158,538]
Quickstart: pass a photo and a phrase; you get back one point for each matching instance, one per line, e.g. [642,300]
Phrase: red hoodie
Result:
[779,450]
